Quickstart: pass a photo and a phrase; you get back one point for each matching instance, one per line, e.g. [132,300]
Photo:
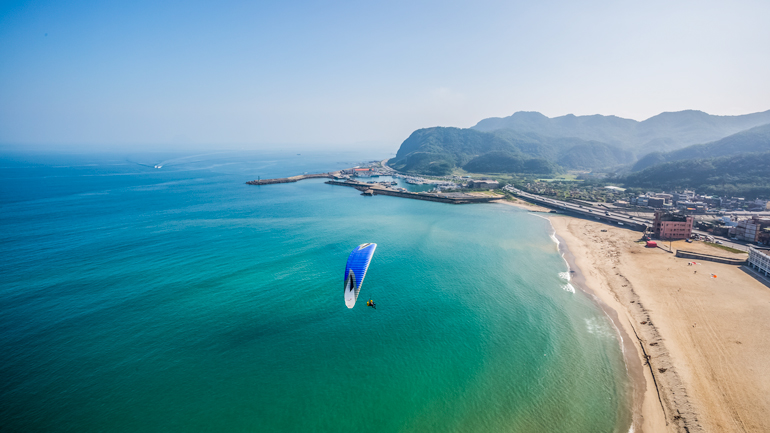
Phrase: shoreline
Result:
[521,204]
[652,409]
[699,329]
[633,360]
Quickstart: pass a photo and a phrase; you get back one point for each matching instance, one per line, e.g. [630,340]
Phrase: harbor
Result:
[389,188]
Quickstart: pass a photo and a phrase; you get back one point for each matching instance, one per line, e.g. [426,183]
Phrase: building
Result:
[483,184]
[683,196]
[751,230]
[714,202]
[747,231]
[656,202]
[759,260]
[692,207]
[758,205]
[669,225]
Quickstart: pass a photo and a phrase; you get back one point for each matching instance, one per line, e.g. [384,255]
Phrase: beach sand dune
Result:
[702,341]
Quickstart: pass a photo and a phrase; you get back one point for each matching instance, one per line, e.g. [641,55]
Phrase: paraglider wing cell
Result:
[355,271]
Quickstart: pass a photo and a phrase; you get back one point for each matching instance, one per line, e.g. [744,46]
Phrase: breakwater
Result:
[378,189]
[700,256]
[453,198]
[290,179]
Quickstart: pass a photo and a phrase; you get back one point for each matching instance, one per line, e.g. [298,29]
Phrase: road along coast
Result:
[699,331]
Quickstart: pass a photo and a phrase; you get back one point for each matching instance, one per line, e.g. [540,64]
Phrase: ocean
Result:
[134,298]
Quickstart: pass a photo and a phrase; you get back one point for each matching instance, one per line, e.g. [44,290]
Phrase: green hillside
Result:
[745,175]
[753,140]
[439,150]
[528,141]
[663,133]
[507,162]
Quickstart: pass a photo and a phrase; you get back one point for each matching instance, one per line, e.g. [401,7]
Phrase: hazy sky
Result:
[345,74]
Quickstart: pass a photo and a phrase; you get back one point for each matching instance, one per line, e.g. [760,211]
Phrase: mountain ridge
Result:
[531,140]
[756,139]
[666,131]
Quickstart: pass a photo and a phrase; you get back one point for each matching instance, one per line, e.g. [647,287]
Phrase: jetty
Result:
[292,179]
[385,188]
[452,197]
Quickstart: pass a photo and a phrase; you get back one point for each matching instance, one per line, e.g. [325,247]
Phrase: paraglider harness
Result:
[371,303]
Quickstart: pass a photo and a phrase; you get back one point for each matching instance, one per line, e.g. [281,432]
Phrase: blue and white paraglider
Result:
[355,271]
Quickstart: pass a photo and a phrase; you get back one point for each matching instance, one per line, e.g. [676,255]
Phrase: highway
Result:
[611,216]
[621,219]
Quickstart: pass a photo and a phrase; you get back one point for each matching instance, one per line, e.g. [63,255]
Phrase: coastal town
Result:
[732,223]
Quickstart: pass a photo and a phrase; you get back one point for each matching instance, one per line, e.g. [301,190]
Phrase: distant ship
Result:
[158,166]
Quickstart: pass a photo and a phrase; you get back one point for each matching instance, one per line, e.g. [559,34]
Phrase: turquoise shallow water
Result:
[181,299]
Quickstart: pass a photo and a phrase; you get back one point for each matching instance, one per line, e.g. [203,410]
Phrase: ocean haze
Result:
[347,75]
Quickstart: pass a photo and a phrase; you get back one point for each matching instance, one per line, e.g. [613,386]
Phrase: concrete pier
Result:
[291,179]
[454,198]
[377,189]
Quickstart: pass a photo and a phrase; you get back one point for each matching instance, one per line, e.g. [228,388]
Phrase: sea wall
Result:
[290,179]
[700,256]
[414,195]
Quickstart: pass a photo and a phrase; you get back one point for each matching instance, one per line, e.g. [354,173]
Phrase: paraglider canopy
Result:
[355,271]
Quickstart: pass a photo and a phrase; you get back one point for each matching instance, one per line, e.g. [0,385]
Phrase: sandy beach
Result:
[696,345]
[521,204]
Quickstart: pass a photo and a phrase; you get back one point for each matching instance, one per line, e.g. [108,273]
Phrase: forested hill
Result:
[529,142]
[439,150]
[664,132]
[745,175]
[753,140]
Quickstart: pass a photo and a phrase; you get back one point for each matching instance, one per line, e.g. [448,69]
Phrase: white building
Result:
[759,260]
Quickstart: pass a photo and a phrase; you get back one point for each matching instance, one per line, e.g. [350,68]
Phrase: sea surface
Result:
[180,299]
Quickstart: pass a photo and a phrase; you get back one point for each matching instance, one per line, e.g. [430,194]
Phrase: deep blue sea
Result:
[181,299]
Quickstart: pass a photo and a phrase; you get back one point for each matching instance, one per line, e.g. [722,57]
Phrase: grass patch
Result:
[732,250]
[484,193]
[567,177]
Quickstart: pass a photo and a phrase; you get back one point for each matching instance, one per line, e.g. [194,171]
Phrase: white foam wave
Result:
[600,328]
[563,275]
[555,239]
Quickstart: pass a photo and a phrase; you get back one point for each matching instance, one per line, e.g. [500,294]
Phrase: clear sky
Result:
[362,74]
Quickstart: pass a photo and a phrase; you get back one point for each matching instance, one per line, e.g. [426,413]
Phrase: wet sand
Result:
[524,205]
[700,343]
